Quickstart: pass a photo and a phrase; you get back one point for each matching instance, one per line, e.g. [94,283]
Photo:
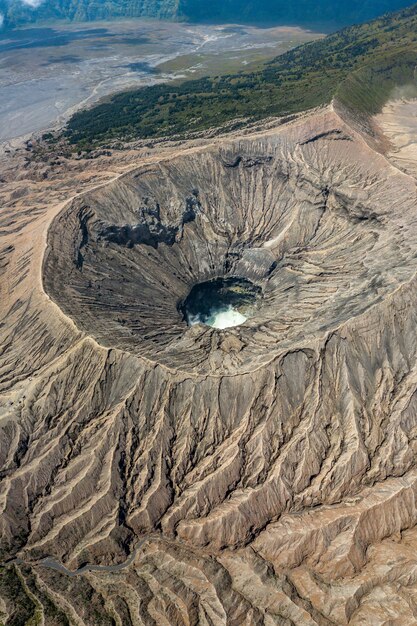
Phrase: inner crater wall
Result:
[312,221]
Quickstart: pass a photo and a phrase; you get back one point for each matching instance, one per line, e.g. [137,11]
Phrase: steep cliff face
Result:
[303,11]
[263,474]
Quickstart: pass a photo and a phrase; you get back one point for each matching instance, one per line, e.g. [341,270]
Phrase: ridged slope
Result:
[265,475]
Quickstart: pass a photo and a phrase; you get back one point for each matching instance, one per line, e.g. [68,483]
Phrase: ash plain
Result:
[48,72]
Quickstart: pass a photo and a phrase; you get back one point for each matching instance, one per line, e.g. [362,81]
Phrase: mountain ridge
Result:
[18,12]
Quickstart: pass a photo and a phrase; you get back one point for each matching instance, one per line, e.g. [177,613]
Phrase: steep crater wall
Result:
[310,220]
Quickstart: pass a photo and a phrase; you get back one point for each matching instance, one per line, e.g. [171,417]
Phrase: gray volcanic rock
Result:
[263,474]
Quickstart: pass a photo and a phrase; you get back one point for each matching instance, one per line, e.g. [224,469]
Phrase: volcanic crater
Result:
[254,475]
[318,232]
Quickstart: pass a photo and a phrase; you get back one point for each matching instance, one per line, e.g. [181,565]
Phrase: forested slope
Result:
[360,64]
[18,12]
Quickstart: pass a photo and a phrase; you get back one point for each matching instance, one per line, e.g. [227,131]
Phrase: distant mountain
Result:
[299,11]
[18,12]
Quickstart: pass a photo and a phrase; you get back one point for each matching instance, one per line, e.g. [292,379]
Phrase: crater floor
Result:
[259,474]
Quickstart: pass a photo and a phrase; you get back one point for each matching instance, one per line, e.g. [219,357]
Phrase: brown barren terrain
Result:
[264,474]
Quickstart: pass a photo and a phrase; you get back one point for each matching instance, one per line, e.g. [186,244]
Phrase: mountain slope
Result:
[360,64]
[298,11]
[17,12]
[267,476]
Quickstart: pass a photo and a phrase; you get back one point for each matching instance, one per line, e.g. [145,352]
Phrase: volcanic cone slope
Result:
[257,470]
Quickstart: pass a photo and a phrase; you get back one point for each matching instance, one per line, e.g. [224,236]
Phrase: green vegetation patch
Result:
[366,90]
[360,64]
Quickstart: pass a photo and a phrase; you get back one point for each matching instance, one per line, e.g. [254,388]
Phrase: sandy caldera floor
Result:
[259,475]
[46,73]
